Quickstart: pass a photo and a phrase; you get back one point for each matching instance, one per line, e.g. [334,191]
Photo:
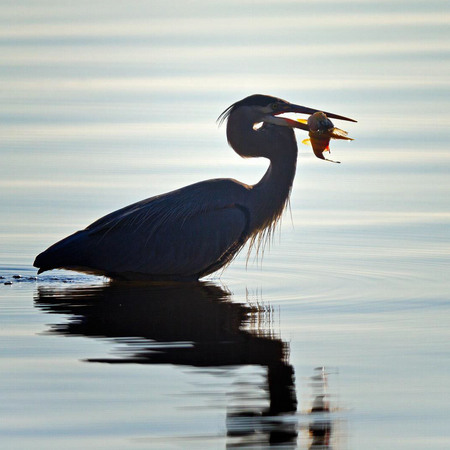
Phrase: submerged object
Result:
[321,130]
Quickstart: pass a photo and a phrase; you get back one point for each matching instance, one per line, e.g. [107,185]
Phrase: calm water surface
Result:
[108,103]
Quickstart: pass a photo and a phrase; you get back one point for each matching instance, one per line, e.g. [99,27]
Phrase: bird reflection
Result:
[186,324]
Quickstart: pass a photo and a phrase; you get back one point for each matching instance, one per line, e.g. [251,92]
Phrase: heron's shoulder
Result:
[204,196]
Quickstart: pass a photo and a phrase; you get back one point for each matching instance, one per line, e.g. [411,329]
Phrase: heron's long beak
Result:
[291,108]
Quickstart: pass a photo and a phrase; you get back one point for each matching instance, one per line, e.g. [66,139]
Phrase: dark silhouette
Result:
[196,230]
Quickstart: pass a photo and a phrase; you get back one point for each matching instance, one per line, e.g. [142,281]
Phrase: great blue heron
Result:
[194,231]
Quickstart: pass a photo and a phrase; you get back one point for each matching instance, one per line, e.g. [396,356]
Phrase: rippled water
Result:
[106,103]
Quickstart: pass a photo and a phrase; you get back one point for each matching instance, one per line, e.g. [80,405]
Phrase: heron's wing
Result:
[185,233]
[177,247]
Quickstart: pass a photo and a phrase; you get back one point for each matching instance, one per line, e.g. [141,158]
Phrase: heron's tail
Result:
[68,252]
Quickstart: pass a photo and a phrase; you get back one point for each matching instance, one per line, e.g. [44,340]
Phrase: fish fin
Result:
[337,133]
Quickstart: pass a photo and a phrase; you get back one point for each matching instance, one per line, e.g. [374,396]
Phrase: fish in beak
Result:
[321,129]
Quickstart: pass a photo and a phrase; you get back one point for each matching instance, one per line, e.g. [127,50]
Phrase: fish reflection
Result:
[186,324]
[320,427]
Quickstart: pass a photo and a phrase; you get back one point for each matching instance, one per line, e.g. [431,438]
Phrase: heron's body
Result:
[193,231]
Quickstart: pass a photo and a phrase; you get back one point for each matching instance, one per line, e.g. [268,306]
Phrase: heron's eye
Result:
[274,106]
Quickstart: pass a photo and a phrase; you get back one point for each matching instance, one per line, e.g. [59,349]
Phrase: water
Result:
[108,103]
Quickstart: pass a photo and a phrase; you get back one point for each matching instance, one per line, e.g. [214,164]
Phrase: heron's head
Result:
[268,109]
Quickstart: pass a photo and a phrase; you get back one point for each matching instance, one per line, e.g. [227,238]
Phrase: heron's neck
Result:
[268,198]
[272,192]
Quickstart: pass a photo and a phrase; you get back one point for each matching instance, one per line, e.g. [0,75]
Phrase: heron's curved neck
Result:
[272,192]
[268,198]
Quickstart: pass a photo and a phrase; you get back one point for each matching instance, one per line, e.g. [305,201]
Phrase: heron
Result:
[191,232]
